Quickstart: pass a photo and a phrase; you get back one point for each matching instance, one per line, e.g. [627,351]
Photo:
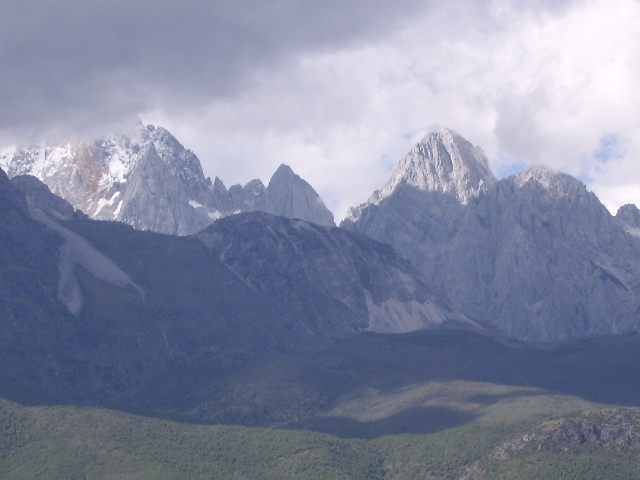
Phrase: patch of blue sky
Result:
[610,148]
[504,170]
[388,163]
[505,166]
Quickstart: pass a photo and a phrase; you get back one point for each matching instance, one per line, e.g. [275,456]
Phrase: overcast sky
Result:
[339,90]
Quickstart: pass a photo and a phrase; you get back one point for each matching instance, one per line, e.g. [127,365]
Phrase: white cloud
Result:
[73,64]
[339,92]
[526,84]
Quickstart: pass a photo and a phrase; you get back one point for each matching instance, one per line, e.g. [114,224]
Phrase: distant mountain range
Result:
[144,177]
[535,256]
[449,299]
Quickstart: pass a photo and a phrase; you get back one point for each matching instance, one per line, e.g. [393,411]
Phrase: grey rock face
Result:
[287,195]
[247,198]
[144,177]
[443,164]
[345,281]
[629,217]
[290,196]
[156,198]
[535,256]
[563,267]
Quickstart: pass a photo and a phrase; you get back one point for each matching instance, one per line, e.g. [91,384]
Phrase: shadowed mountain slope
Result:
[102,305]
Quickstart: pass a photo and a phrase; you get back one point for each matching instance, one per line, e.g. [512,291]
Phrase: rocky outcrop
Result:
[629,217]
[613,431]
[535,256]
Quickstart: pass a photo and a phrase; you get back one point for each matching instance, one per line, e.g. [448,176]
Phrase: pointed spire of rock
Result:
[629,216]
[290,196]
[443,162]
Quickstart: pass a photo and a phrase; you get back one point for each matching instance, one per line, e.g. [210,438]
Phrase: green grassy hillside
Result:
[77,443]
[435,405]
[73,443]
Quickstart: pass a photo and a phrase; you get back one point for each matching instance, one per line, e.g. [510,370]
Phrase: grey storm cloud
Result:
[80,61]
[334,88]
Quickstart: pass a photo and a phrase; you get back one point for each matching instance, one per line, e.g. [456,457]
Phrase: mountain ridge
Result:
[426,365]
[535,255]
[131,303]
[143,176]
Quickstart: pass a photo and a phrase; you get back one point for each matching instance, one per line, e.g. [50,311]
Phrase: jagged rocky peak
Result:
[287,195]
[136,174]
[542,185]
[553,181]
[88,175]
[142,175]
[283,173]
[443,162]
[254,188]
[290,196]
[442,166]
[220,196]
[177,157]
[243,199]
[629,216]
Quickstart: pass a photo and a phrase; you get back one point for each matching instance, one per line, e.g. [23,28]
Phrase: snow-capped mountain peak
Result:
[143,176]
